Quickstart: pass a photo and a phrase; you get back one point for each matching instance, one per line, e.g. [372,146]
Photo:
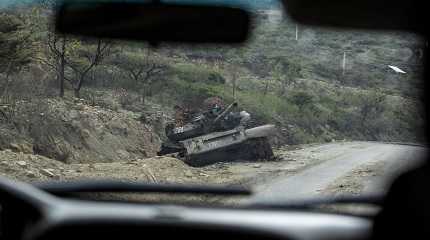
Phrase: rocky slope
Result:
[74,131]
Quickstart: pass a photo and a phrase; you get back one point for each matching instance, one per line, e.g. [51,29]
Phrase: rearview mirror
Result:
[154,22]
[365,14]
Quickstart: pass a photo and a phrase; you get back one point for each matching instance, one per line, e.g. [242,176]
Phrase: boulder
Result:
[22,164]
[30,174]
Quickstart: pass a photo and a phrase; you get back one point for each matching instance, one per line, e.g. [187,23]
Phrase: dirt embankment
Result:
[30,167]
[74,131]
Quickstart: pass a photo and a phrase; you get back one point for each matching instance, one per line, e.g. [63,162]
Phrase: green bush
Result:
[197,73]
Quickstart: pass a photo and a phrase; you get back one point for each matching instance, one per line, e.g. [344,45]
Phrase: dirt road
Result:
[353,167]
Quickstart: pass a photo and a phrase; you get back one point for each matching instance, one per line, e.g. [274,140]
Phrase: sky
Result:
[5,3]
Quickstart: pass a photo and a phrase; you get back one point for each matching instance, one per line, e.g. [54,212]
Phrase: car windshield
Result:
[295,112]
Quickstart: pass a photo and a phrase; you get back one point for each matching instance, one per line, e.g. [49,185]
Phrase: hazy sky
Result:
[4,3]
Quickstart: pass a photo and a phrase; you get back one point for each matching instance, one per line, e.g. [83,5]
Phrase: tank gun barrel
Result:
[225,112]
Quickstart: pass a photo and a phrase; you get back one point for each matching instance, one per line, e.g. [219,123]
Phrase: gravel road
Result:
[343,163]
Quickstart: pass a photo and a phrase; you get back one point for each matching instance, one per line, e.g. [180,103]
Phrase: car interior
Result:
[43,211]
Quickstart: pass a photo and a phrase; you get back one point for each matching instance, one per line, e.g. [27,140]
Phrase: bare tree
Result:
[56,58]
[141,66]
[86,58]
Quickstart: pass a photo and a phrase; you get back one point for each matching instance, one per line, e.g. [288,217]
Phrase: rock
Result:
[85,133]
[133,162]
[30,174]
[47,173]
[169,179]
[80,106]
[256,166]
[188,174]
[73,114]
[22,164]
[122,154]
[4,163]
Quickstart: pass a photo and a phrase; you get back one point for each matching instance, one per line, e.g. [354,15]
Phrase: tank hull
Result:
[227,146]
[257,149]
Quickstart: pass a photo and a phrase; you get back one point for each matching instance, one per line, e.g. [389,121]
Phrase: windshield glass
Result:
[295,112]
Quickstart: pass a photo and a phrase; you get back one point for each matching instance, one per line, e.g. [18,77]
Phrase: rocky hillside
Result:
[76,131]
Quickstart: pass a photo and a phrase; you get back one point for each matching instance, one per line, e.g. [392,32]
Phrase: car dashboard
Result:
[31,214]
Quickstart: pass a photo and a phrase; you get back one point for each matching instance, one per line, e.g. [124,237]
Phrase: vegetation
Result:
[15,44]
[299,85]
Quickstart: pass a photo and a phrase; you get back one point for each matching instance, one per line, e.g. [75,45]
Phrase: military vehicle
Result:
[218,135]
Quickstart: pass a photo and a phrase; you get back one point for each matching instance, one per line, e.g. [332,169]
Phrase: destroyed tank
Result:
[218,136]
